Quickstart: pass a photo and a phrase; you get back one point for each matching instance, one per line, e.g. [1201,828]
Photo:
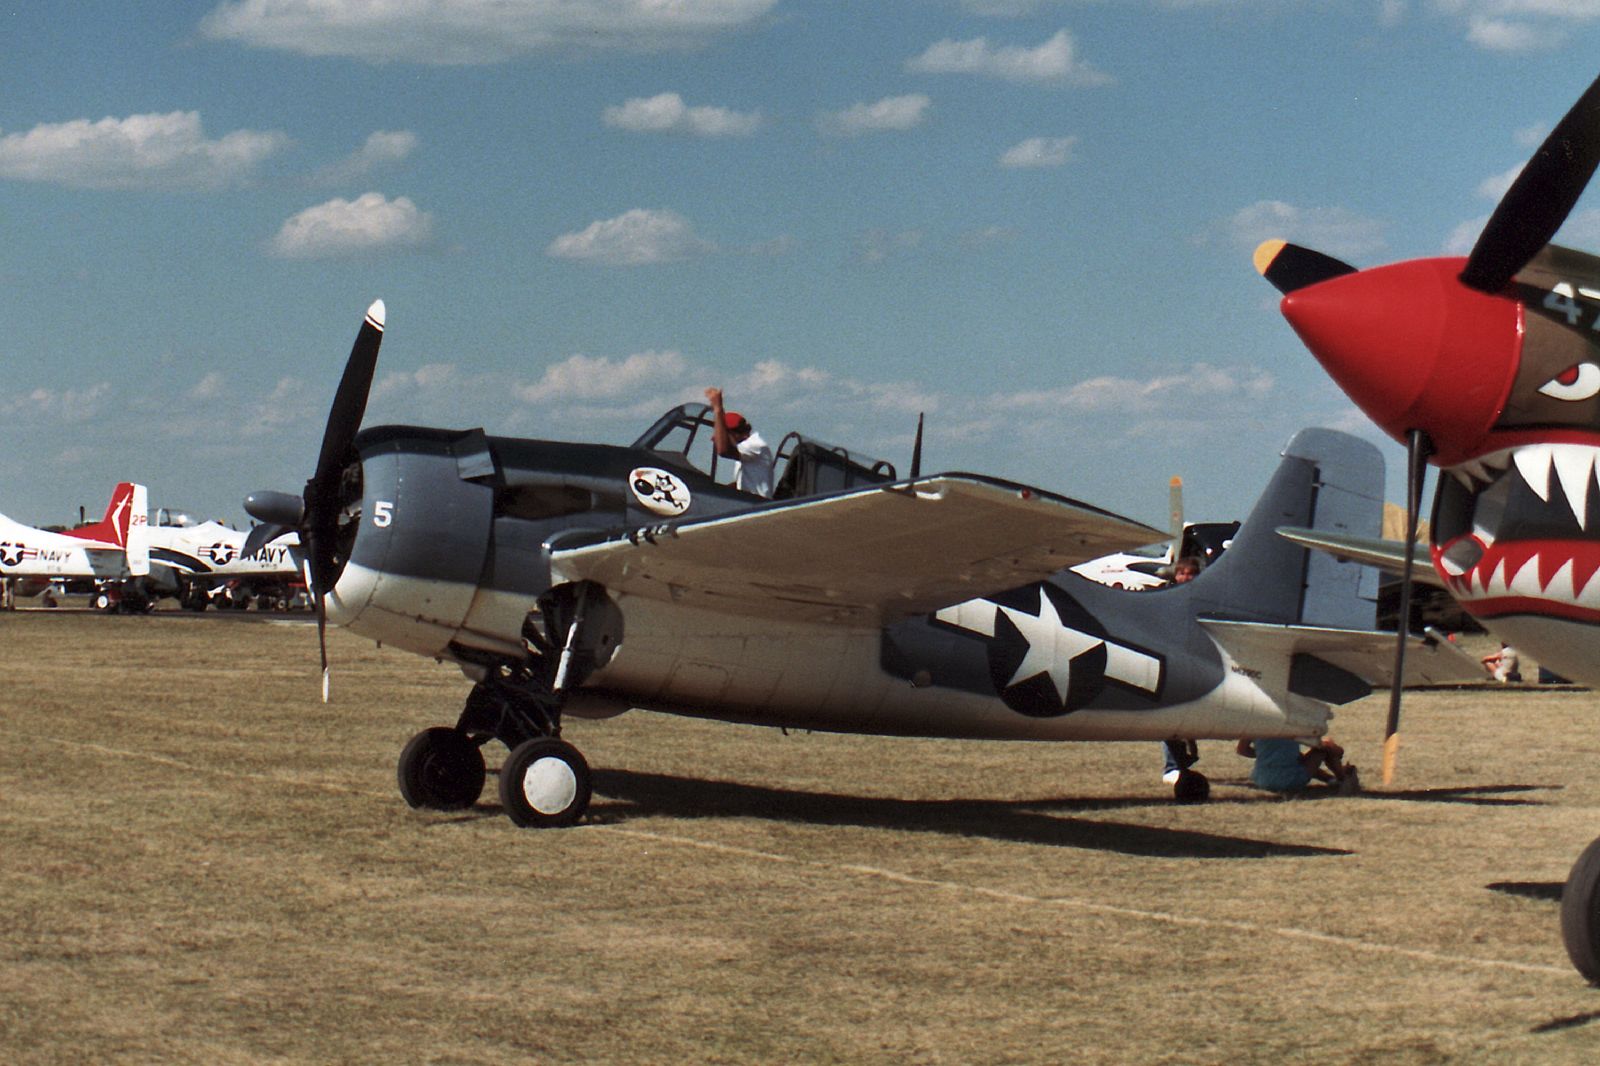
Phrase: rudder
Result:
[1329,481]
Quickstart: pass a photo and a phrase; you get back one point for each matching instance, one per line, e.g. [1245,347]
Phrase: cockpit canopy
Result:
[805,466]
[174,518]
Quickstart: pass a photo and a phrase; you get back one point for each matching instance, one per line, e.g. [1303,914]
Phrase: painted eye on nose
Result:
[1580,381]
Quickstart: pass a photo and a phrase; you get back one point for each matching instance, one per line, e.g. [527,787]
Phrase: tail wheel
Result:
[1580,913]
[441,769]
[545,784]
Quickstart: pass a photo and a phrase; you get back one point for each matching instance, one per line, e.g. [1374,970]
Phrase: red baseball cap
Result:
[732,420]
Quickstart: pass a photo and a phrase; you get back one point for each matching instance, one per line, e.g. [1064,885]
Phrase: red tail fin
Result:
[113,528]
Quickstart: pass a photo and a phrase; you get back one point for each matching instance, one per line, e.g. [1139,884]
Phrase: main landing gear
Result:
[544,782]
[1580,913]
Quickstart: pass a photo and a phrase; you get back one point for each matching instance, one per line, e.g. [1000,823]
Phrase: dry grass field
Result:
[199,862]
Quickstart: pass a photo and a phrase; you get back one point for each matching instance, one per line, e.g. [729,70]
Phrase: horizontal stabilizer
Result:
[1386,555]
[1431,659]
[866,557]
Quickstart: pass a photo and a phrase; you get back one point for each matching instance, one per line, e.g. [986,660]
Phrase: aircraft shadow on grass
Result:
[629,794]
[1541,890]
[1478,795]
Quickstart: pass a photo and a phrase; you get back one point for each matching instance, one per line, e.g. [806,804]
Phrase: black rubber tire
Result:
[1191,787]
[567,790]
[1580,913]
[441,769]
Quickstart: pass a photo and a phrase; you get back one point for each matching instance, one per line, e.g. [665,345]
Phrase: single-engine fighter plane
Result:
[587,579]
[111,549]
[1489,366]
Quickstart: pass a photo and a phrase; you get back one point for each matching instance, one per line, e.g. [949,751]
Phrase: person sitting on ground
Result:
[734,438]
[1281,765]
[1503,664]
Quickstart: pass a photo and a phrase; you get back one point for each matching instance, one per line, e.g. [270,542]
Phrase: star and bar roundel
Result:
[1048,656]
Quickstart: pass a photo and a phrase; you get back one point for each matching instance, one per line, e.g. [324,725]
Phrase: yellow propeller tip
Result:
[1391,748]
[1266,252]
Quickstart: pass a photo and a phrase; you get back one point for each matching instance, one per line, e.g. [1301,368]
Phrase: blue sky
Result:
[1031,219]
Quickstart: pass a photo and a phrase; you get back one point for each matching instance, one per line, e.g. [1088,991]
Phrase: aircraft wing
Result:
[863,557]
[1386,555]
[1431,659]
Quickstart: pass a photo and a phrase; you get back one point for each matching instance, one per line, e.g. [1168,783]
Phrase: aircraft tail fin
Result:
[136,532]
[113,528]
[1329,482]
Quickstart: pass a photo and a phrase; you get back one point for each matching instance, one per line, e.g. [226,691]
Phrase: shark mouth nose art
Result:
[1518,531]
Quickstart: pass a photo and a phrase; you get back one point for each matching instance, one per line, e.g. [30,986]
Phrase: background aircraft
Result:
[111,549]
[853,602]
[1489,366]
[206,563]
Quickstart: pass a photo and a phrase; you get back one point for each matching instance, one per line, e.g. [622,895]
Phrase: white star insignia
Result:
[1052,646]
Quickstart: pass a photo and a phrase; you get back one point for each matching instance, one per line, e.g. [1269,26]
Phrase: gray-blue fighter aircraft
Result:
[587,579]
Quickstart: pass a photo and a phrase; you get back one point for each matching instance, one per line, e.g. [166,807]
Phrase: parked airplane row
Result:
[588,579]
[127,561]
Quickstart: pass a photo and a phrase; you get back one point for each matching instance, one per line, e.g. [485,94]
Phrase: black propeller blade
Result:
[315,513]
[1418,448]
[344,420]
[916,451]
[1289,266]
[1531,211]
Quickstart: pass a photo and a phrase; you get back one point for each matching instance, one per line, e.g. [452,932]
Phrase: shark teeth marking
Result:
[1575,467]
[1526,581]
[1542,466]
[1590,596]
[1560,583]
[1533,463]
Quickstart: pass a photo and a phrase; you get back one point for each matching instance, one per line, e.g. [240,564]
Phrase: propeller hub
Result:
[1415,349]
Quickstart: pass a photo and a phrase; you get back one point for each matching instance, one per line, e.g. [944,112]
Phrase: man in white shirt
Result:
[734,438]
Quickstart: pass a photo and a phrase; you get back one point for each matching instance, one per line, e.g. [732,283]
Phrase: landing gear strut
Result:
[545,781]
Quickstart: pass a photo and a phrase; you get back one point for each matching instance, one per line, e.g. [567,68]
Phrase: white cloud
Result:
[476,31]
[1464,236]
[369,223]
[1055,61]
[1495,186]
[667,113]
[1518,25]
[1333,230]
[289,404]
[634,238]
[1531,136]
[138,152]
[380,149]
[44,406]
[890,113]
[1039,152]
[1177,392]
[582,378]
[209,387]
[1501,35]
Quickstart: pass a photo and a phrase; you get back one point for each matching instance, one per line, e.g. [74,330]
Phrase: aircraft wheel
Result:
[544,783]
[441,769]
[1580,913]
[1191,787]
